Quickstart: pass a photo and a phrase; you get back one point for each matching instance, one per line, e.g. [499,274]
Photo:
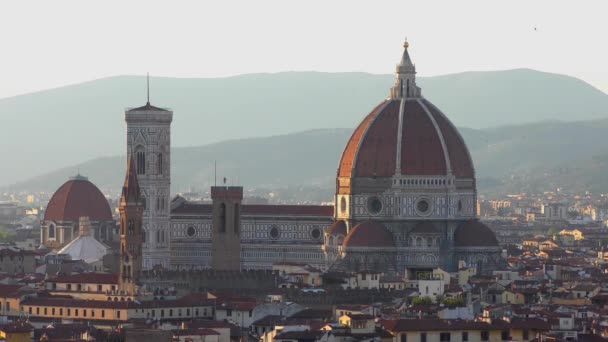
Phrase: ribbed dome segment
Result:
[369,234]
[405,135]
[76,198]
[430,145]
[473,233]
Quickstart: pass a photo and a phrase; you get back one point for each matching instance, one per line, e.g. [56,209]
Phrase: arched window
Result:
[140,157]
[52,231]
[418,242]
[236,218]
[159,165]
[131,227]
[222,218]
[429,242]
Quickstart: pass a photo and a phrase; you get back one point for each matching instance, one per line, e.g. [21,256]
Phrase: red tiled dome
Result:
[76,198]
[473,233]
[372,149]
[338,228]
[369,234]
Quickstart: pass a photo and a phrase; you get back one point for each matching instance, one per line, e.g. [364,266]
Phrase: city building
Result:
[400,203]
[405,199]
[149,141]
[76,198]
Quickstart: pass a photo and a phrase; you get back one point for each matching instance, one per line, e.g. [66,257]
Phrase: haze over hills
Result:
[56,128]
[530,157]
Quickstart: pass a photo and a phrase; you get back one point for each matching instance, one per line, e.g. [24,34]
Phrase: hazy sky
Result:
[52,43]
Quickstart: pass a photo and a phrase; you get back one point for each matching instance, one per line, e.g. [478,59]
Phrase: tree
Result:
[422,300]
[453,302]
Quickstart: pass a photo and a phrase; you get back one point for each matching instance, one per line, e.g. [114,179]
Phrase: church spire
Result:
[130,190]
[405,77]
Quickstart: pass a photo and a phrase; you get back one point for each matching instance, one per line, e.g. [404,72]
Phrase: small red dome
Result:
[76,198]
[369,234]
[338,228]
[430,144]
[473,233]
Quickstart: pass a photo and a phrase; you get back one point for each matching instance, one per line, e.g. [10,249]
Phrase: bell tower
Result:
[226,236]
[131,216]
[149,142]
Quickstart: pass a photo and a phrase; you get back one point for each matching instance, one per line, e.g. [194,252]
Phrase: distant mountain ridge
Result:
[526,157]
[51,129]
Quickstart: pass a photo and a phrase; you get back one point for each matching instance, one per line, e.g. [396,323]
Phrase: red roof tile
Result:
[338,228]
[376,153]
[85,278]
[369,234]
[9,291]
[372,148]
[16,327]
[260,209]
[460,158]
[474,233]
[350,151]
[76,198]
[421,151]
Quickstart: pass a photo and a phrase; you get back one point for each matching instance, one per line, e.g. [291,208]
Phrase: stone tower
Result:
[131,217]
[226,236]
[149,142]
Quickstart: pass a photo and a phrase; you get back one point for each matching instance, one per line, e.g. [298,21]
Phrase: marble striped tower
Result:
[149,142]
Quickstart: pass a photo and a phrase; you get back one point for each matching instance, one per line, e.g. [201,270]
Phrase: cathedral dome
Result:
[473,233]
[405,135]
[76,198]
[369,234]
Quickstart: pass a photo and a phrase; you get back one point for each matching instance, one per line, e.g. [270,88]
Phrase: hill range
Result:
[520,121]
[529,157]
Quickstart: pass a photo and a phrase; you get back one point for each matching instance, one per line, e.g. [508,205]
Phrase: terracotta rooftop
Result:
[76,198]
[260,210]
[372,149]
[16,327]
[473,233]
[369,234]
[86,278]
[338,228]
[432,324]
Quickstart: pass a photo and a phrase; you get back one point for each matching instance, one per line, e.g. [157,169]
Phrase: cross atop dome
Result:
[405,77]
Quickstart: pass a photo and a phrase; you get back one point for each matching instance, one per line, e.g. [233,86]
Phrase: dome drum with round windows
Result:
[423,207]
[274,232]
[374,205]
[191,231]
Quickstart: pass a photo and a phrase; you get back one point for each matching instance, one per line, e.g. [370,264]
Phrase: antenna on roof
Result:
[215,172]
[148,87]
